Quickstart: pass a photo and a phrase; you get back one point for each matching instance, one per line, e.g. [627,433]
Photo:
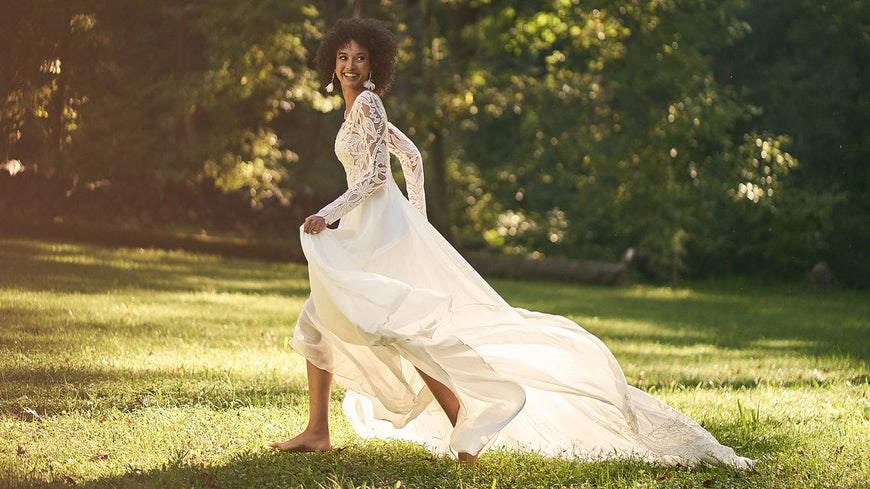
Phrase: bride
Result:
[425,348]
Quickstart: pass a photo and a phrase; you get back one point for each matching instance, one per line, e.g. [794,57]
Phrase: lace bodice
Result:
[363,145]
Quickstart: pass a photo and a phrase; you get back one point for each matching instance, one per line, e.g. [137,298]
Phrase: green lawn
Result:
[144,368]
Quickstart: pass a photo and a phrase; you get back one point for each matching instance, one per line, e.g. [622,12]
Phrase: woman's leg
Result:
[315,437]
[449,403]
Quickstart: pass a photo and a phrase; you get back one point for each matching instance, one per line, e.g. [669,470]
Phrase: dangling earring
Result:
[331,88]
[369,83]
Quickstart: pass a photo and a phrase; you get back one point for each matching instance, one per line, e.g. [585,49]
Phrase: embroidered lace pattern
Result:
[412,167]
[363,146]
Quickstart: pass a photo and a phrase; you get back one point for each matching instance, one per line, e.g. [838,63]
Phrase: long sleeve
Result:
[412,166]
[370,124]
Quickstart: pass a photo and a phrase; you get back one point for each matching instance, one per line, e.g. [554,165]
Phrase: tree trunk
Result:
[439,205]
[357,8]
[310,155]
[439,210]
[332,10]
[56,143]
[185,131]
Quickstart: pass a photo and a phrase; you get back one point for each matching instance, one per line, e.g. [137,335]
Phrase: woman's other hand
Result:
[314,224]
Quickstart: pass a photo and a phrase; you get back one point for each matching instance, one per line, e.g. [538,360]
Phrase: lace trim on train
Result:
[682,438]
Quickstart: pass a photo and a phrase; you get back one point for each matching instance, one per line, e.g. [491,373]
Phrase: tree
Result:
[589,130]
[38,109]
[806,64]
[548,127]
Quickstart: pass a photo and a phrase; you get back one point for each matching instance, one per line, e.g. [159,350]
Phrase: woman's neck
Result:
[349,98]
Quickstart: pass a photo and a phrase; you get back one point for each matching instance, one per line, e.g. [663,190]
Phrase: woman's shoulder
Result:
[371,99]
[370,104]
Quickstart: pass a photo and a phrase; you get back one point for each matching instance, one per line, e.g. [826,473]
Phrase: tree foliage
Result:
[806,66]
[182,89]
[602,129]
[712,137]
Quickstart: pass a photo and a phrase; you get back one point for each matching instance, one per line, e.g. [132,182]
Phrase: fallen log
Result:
[557,269]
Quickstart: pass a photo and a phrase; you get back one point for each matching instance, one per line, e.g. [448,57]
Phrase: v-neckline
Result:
[350,110]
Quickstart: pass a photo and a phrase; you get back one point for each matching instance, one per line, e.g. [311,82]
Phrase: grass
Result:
[144,368]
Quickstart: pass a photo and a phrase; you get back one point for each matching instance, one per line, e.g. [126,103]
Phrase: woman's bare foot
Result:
[306,441]
[467,458]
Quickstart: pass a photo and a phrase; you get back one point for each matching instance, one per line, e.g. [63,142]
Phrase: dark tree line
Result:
[713,137]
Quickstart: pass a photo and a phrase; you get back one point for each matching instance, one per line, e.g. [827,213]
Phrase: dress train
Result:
[389,294]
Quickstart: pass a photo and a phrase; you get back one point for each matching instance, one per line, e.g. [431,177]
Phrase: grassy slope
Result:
[142,368]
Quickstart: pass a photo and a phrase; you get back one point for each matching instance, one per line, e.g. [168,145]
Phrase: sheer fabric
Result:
[389,294]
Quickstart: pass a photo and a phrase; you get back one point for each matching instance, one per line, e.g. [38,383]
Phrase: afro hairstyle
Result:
[369,33]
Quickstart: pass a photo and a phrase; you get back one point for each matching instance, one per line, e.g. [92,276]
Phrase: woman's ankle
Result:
[316,431]
[467,458]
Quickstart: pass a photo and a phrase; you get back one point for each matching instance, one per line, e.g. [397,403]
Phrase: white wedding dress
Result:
[389,293]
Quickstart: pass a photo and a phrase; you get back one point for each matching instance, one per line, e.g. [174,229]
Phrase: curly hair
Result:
[369,33]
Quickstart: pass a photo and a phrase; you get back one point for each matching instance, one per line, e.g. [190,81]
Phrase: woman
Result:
[426,349]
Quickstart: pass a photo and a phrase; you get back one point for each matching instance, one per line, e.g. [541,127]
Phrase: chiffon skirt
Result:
[390,295]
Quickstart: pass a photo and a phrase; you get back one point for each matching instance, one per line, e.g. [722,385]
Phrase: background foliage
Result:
[713,137]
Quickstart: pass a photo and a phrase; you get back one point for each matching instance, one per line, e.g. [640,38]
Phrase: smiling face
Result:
[352,66]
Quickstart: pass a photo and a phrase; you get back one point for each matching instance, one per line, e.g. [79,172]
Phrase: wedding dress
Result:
[389,293]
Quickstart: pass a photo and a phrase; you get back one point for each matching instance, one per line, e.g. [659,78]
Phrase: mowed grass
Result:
[146,368]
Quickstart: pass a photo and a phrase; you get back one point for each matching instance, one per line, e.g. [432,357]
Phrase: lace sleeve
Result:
[412,166]
[370,122]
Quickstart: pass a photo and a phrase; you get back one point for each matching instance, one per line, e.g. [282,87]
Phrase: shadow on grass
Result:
[378,464]
[53,390]
[789,322]
[87,269]
[176,326]
[702,383]
[47,363]
[761,321]
[46,347]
